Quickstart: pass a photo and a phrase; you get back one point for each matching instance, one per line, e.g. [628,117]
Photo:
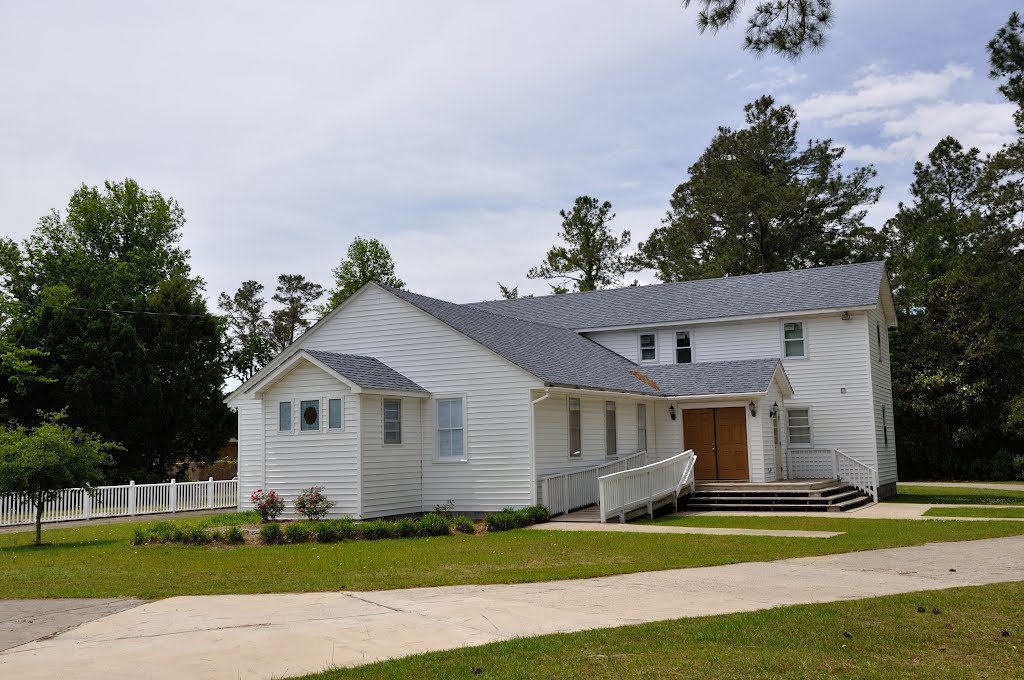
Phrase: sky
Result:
[453,131]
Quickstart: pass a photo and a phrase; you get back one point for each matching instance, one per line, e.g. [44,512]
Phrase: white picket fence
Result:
[123,500]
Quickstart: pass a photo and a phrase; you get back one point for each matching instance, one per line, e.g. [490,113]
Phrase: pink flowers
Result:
[267,503]
[312,503]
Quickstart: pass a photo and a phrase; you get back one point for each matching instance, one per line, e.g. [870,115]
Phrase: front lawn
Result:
[945,495]
[976,512]
[98,561]
[888,638]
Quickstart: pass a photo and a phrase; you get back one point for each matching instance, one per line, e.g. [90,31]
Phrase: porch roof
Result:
[365,371]
[715,378]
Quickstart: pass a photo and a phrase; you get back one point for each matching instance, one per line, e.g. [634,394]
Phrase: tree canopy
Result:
[298,299]
[249,331]
[591,256]
[367,260]
[786,27]
[757,201]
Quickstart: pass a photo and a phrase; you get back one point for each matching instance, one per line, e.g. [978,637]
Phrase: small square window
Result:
[309,415]
[648,347]
[284,416]
[392,421]
[334,414]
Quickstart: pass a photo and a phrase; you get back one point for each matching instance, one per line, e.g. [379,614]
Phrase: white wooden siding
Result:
[669,440]
[443,361]
[250,448]
[881,389]
[774,396]
[390,472]
[327,458]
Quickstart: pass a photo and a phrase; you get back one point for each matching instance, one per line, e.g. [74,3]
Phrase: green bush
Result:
[215,536]
[375,529]
[296,532]
[433,524]
[234,535]
[179,535]
[464,525]
[270,532]
[405,527]
[139,537]
[536,514]
[197,536]
[504,521]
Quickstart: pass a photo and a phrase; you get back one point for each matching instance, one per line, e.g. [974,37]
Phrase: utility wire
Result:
[34,305]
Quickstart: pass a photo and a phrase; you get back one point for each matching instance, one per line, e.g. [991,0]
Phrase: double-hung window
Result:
[309,415]
[610,435]
[575,431]
[793,340]
[684,350]
[641,427]
[392,421]
[451,431]
[284,416]
[799,426]
[648,347]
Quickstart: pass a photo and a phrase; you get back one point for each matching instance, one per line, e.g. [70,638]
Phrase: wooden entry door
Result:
[719,438]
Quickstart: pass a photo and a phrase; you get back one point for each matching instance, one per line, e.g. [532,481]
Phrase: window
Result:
[641,427]
[878,334]
[799,426]
[392,421]
[648,347]
[575,432]
[450,430]
[885,428]
[684,352]
[334,414]
[284,416]
[610,435]
[793,339]
[309,415]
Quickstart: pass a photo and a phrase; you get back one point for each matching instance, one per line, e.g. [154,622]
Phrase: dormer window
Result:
[793,340]
[648,347]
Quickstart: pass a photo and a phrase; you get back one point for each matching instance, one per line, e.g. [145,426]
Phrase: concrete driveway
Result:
[263,636]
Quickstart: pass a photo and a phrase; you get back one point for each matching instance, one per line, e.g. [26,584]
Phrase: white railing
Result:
[833,464]
[123,500]
[622,492]
[568,491]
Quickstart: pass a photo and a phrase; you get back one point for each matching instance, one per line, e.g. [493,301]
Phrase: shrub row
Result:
[516,519]
[166,532]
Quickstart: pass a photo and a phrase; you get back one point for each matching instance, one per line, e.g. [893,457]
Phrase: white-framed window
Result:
[284,416]
[684,347]
[309,415]
[451,429]
[798,425]
[335,417]
[575,429]
[648,347]
[611,445]
[794,340]
[641,427]
[885,427]
[392,421]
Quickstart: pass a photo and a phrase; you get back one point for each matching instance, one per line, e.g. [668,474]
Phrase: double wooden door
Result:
[719,438]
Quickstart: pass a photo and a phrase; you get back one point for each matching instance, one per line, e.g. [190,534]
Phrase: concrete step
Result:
[850,503]
[792,484]
[760,492]
[775,500]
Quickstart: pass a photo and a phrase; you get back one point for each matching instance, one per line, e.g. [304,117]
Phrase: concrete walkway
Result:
[23,621]
[874,511]
[263,636]
[968,485]
[665,529]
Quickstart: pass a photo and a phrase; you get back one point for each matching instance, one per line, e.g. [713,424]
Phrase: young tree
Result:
[367,260]
[249,331]
[510,292]
[37,463]
[786,27]
[592,256]
[758,202]
[298,297]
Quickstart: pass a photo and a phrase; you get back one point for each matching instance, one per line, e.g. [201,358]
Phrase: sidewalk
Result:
[282,635]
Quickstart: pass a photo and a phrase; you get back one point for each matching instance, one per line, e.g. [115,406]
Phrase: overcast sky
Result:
[452,131]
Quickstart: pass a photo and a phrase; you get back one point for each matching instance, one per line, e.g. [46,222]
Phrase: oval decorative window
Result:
[309,415]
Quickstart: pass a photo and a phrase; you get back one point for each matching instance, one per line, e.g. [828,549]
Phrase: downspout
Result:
[533,447]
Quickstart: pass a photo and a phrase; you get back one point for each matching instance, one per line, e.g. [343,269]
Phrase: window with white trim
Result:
[648,347]
[793,340]
[334,419]
[450,429]
[575,430]
[611,445]
[798,424]
[684,350]
[641,427]
[309,415]
[284,416]
[392,421]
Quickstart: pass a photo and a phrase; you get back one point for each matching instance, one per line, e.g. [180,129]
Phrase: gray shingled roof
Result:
[365,371]
[556,356]
[747,376]
[841,286]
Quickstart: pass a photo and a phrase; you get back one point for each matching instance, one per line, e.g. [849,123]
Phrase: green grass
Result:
[944,495]
[97,561]
[976,512]
[890,639]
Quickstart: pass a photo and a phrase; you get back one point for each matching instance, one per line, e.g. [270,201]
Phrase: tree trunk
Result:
[39,522]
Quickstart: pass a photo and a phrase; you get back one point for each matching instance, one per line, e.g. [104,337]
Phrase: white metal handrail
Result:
[622,492]
[834,464]
[123,500]
[567,491]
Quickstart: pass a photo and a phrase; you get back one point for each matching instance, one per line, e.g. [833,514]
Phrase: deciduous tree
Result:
[367,260]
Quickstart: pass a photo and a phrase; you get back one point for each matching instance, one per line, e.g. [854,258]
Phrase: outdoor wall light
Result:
[672,411]
[753,409]
[845,316]
[774,412]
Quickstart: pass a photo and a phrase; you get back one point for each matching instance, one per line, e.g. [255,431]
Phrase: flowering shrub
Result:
[313,504]
[267,503]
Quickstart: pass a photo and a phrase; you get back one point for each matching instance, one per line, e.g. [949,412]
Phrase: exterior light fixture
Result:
[753,409]
[845,316]
[672,411]
[774,412]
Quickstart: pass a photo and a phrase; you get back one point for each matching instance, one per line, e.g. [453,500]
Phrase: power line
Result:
[35,305]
